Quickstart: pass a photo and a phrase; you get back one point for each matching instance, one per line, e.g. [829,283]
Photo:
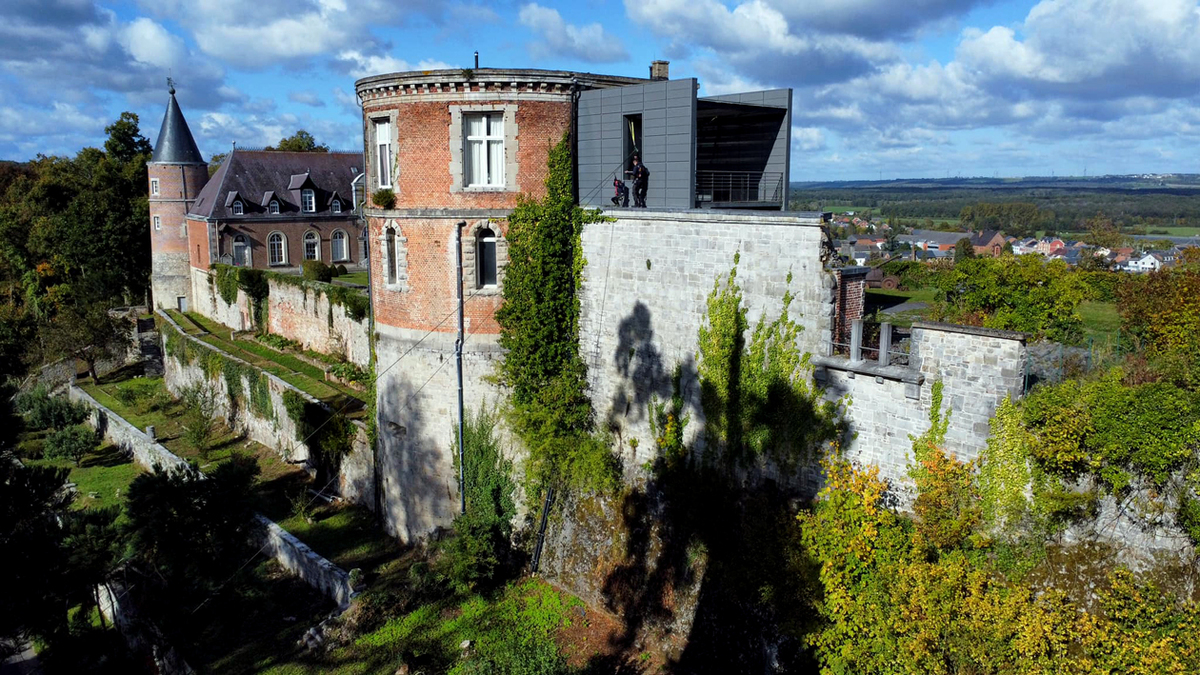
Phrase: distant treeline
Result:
[1052,209]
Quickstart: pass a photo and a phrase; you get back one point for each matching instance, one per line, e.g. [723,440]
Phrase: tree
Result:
[963,249]
[33,502]
[215,162]
[88,332]
[199,415]
[71,443]
[301,141]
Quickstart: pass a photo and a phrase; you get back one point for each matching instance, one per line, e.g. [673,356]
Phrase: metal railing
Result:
[739,187]
[883,343]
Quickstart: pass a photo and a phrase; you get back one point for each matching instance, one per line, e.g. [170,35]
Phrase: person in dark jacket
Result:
[621,196]
[641,182]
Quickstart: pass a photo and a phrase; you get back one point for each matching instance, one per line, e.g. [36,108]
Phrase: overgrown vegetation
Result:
[539,330]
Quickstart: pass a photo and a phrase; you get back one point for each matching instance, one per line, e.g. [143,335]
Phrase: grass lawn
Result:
[278,481]
[101,479]
[360,278]
[345,534]
[1100,319]
[296,372]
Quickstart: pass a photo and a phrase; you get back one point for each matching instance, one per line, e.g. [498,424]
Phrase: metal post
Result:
[885,343]
[458,347]
[856,331]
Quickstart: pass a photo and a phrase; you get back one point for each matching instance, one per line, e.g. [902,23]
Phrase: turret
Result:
[177,173]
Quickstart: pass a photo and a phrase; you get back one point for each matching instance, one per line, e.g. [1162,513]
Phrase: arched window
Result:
[485,258]
[312,246]
[274,207]
[241,251]
[237,208]
[337,246]
[336,206]
[390,242]
[308,200]
[277,249]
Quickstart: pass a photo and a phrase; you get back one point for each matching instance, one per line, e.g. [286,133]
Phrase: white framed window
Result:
[312,246]
[241,251]
[237,208]
[390,242]
[336,206]
[337,246]
[383,153]
[157,222]
[484,150]
[154,186]
[485,258]
[277,248]
[274,207]
[308,200]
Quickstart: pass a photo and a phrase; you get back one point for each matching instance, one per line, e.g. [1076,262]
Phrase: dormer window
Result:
[237,208]
[336,206]
[308,200]
[274,207]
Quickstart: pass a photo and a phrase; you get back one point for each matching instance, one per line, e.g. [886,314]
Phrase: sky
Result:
[881,88]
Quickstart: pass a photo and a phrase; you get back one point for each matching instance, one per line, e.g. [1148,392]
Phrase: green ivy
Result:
[230,279]
[216,364]
[329,435]
[355,304]
[539,330]
[668,422]
[227,282]
[758,397]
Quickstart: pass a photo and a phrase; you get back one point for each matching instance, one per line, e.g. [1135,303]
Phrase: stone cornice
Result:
[489,82]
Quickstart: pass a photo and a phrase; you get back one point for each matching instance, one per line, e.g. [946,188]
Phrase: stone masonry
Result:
[978,367]
[644,298]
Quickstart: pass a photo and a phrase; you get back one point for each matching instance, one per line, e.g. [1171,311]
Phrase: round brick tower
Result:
[177,173]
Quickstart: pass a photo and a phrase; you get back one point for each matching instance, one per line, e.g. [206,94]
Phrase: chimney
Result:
[659,70]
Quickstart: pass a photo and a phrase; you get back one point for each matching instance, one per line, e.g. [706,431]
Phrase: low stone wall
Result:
[977,367]
[296,557]
[143,638]
[273,428]
[294,312]
[293,554]
[121,433]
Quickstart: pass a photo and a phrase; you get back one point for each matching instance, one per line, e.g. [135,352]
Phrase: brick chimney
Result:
[659,70]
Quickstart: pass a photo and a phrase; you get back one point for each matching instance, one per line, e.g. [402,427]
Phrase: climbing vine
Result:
[329,435]
[539,329]
[256,284]
[758,397]
[668,422]
[237,376]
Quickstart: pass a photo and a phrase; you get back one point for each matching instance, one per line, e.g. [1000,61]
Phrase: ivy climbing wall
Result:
[322,317]
[644,298]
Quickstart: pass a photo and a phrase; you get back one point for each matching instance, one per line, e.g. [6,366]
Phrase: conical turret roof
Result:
[175,144]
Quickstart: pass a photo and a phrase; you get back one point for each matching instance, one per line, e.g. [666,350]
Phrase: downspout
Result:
[359,209]
[575,139]
[458,349]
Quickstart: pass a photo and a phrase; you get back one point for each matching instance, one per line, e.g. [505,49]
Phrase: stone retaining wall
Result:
[356,479]
[121,433]
[296,557]
[293,554]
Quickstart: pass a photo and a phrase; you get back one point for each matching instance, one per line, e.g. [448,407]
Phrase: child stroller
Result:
[621,193]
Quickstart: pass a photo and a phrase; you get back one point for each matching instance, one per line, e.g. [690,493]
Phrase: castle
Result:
[447,154]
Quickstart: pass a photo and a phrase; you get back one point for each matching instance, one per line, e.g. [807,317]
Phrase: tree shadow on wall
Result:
[642,372]
[411,489]
[713,570]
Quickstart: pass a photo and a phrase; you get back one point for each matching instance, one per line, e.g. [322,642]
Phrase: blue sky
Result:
[882,88]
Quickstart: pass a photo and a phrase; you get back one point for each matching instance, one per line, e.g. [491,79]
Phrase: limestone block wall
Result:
[978,368]
[121,433]
[644,297]
[275,430]
[316,323]
[293,312]
[296,557]
[417,403]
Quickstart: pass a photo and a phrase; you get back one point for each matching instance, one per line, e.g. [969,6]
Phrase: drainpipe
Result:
[575,140]
[458,347]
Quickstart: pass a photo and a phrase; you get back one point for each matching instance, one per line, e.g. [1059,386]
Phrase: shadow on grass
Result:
[109,455]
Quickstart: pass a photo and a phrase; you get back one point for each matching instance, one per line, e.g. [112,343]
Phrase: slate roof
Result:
[175,144]
[257,176]
[935,236]
[985,237]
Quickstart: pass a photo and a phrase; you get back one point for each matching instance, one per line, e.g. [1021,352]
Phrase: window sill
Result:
[493,289]
[486,188]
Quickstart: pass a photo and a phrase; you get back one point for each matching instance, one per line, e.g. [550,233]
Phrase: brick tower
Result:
[177,174]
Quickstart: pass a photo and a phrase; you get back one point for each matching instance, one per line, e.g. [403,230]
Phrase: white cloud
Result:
[808,139]
[308,98]
[358,64]
[151,44]
[556,37]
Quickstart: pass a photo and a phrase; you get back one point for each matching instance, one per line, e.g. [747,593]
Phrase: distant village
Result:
[877,241]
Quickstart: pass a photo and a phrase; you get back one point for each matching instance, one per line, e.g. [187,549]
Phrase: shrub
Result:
[342,271]
[384,198]
[199,416]
[316,270]
[43,411]
[351,373]
[1189,517]
[70,443]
